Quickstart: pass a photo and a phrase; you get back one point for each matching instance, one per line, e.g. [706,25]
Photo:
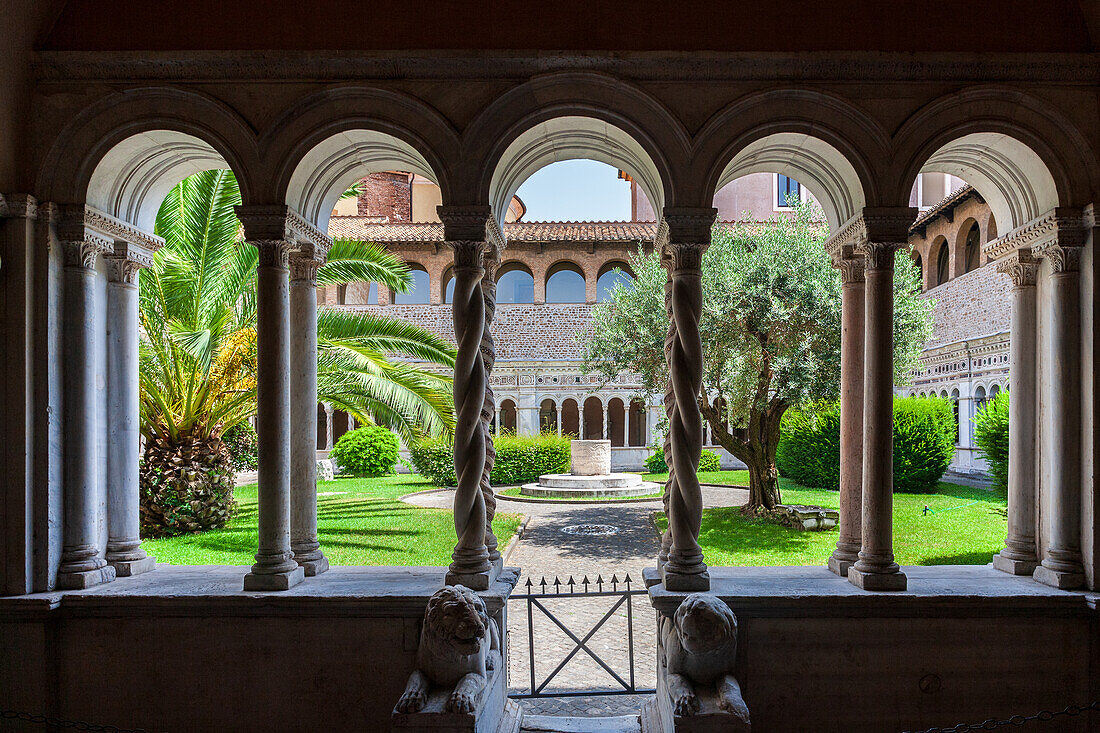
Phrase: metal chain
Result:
[1017,720]
[59,723]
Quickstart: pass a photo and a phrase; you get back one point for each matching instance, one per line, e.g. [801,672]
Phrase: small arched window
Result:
[943,265]
[418,288]
[979,399]
[973,248]
[612,275]
[515,284]
[448,286]
[565,284]
[920,269]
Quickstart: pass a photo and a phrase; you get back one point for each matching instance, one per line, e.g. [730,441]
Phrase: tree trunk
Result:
[754,446]
[186,485]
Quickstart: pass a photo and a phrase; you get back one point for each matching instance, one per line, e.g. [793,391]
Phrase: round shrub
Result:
[709,462]
[243,446]
[520,459]
[924,443]
[991,435]
[808,452]
[367,451]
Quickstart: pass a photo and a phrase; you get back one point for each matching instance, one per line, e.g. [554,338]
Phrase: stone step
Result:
[573,724]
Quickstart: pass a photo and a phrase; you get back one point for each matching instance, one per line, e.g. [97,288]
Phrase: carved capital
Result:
[878,255]
[18,206]
[689,224]
[1060,226]
[1021,267]
[1062,258]
[880,224]
[306,261]
[684,258]
[280,222]
[125,261]
[851,269]
[82,253]
[469,254]
[273,252]
[466,222]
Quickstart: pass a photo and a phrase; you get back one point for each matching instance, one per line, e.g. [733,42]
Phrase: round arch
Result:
[565,282]
[419,292]
[571,137]
[515,283]
[814,163]
[333,164]
[968,241]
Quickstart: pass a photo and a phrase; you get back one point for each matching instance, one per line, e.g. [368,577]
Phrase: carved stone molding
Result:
[18,206]
[1063,226]
[278,221]
[125,260]
[851,269]
[468,223]
[306,261]
[469,254]
[684,257]
[1021,266]
[1062,258]
[885,224]
[82,253]
[273,252]
[878,255]
[689,224]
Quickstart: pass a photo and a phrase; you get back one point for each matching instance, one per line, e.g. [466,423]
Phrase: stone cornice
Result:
[195,66]
[884,224]
[77,217]
[1062,226]
[279,221]
[689,225]
[18,206]
[472,224]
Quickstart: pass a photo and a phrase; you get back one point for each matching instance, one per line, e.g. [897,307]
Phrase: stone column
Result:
[1061,566]
[689,237]
[488,405]
[124,552]
[580,420]
[876,569]
[275,567]
[559,420]
[1019,555]
[81,566]
[304,263]
[465,232]
[851,416]
[496,430]
[330,428]
[606,425]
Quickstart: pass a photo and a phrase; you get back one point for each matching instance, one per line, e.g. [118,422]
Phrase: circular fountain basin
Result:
[570,486]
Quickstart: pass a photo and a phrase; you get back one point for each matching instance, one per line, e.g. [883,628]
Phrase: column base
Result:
[314,567]
[274,581]
[1061,579]
[129,568]
[840,567]
[895,581]
[685,582]
[1014,567]
[85,578]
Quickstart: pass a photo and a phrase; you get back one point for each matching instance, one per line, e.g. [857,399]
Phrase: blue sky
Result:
[576,190]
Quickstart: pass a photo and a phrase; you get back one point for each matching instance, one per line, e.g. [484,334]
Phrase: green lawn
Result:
[515,491]
[966,527]
[363,525]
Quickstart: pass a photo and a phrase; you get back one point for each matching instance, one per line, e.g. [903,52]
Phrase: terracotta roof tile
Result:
[948,202]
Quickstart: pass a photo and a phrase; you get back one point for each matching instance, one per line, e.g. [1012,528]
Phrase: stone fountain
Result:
[590,476]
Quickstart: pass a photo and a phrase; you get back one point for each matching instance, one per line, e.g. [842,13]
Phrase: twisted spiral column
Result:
[685,569]
[1019,555]
[488,405]
[670,414]
[470,560]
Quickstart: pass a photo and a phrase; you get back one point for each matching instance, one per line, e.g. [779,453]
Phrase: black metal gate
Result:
[541,596]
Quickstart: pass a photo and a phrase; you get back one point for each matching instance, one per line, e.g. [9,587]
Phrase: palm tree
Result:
[198,354]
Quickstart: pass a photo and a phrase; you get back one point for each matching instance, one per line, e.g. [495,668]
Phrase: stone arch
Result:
[821,140]
[520,294]
[548,415]
[333,164]
[1020,156]
[344,130]
[607,278]
[939,260]
[123,154]
[616,421]
[593,417]
[570,416]
[420,291]
[509,414]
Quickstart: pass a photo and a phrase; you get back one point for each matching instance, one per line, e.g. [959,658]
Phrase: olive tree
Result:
[770,330]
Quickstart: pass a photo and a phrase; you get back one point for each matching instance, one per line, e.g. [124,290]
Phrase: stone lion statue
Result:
[700,647]
[459,643]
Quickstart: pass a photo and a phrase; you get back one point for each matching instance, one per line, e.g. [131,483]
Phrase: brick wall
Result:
[386,194]
[975,304]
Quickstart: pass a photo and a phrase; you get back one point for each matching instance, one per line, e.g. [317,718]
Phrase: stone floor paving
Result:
[547,550]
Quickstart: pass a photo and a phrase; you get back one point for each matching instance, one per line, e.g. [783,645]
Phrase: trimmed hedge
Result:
[991,435]
[520,459]
[924,443]
[708,462]
[243,445]
[367,451]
